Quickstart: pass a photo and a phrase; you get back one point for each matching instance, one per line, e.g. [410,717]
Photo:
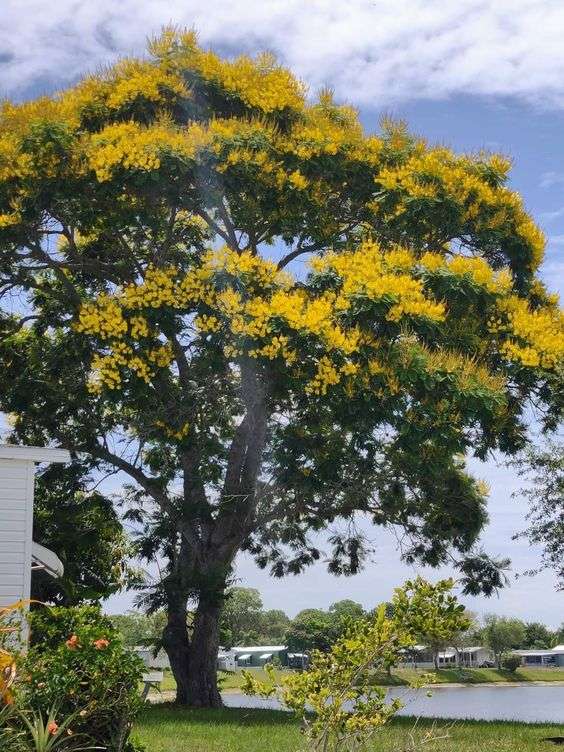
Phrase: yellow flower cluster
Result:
[261,84]
[380,276]
[207,323]
[276,348]
[158,289]
[261,271]
[135,147]
[136,79]
[161,356]
[477,269]
[103,318]
[106,369]
[298,180]
[433,172]
[13,163]
[327,375]
[174,433]
[12,218]
[138,327]
[537,336]
[320,134]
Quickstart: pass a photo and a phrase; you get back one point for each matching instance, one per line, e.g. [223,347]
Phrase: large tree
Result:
[312,629]
[241,617]
[154,224]
[502,634]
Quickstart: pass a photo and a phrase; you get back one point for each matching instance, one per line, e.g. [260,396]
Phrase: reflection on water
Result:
[504,702]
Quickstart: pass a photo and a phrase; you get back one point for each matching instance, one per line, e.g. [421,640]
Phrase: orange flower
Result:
[101,643]
[72,642]
[52,728]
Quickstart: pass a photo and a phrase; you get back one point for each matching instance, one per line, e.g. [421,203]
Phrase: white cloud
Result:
[371,51]
[548,179]
[549,216]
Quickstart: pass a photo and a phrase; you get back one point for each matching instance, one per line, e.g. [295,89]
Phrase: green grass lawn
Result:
[232,681]
[167,729]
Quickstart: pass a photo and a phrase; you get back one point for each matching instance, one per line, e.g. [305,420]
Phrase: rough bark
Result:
[177,646]
[202,661]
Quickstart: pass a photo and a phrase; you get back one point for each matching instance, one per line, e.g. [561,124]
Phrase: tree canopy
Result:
[542,468]
[241,618]
[312,629]
[268,318]
[502,634]
[433,613]
[84,530]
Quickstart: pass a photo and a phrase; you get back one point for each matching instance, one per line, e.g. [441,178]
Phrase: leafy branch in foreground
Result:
[336,698]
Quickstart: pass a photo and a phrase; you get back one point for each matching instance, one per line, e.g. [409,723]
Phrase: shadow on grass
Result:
[168,711]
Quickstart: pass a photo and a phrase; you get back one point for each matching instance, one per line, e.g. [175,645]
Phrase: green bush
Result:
[77,664]
[511,663]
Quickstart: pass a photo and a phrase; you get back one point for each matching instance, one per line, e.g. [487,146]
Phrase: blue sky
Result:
[472,75]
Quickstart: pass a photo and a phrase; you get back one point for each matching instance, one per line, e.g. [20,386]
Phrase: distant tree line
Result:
[245,621]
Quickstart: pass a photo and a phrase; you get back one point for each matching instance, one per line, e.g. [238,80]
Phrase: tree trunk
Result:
[202,663]
[208,550]
[193,658]
[177,646]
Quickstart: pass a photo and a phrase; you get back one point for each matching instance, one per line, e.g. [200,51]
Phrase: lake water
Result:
[504,702]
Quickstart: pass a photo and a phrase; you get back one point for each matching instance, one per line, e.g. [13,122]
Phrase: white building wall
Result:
[16,527]
[160,661]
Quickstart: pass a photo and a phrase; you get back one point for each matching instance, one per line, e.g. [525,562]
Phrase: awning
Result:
[47,560]
[244,657]
[265,656]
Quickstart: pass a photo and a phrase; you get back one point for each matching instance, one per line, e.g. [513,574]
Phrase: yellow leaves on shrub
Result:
[7,676]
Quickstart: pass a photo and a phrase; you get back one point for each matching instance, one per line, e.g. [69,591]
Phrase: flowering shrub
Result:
[78,664]
[11,624]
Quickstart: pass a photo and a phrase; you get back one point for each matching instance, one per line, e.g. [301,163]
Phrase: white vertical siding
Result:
[16,528]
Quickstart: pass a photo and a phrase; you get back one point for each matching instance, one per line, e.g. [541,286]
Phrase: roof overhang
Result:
[33,454]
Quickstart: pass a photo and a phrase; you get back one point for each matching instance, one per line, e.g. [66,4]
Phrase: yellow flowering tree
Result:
[270,320]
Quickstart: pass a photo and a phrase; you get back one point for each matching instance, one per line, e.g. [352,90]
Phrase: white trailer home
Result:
[18,553]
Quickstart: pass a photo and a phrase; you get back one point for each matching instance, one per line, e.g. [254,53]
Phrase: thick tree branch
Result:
[150,485]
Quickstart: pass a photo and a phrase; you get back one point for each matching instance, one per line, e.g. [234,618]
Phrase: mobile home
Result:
[18,552]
